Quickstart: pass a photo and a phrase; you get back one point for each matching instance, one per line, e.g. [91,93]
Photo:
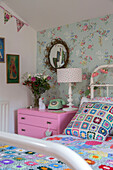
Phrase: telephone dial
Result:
[56,104]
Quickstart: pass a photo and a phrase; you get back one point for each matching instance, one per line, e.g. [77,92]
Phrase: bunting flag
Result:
[7,16]
[20,24]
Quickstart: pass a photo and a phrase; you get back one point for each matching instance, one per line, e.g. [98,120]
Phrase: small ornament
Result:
[48,132]
[41,104]
[30,106]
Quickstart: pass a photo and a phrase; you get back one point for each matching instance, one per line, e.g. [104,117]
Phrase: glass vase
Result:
[36,101]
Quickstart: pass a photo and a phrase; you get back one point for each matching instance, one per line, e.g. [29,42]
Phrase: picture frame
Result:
[2,50]
[12,68]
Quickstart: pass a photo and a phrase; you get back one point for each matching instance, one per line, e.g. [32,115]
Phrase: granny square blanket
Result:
[98,154]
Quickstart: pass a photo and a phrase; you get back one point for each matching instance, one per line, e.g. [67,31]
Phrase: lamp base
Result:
[69,109]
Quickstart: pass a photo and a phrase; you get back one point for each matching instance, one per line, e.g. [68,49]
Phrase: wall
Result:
[24,44]
[90,43]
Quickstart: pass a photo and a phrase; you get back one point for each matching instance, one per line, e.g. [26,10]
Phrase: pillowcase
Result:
[97,99]
[103,99]
[94,120]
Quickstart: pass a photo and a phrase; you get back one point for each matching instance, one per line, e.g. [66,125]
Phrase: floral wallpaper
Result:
[90,43]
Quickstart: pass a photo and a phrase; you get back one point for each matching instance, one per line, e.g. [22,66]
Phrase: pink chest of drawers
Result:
[35,123]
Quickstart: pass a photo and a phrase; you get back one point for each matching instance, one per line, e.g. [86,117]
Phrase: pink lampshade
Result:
[69,75]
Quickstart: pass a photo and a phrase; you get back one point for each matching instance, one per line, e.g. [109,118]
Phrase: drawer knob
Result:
[22,117]
[23,130]
[48,122]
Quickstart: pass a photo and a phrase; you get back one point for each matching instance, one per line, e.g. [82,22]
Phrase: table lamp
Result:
[69,75]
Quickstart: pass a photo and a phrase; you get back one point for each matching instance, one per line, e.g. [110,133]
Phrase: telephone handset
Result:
[56,104]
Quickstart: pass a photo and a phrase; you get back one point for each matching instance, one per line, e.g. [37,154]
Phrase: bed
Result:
[86,143]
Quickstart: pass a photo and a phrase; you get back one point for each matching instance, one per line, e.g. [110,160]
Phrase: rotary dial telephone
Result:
[56,104]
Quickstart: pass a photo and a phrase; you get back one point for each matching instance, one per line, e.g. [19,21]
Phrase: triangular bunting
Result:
[7,16]
[20,24]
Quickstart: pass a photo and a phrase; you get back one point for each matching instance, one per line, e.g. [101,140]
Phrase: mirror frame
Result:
[48,51]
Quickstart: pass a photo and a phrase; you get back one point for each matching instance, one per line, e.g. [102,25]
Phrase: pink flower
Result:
[84,76]
[95,74]
[88,88]
[88,96]
[111,56]
[7,16]
[85,28]
[90,57]
[82,43]
[101,19]
[104,71]
[81,92]
[58,28]
[48,78]
[89,46]
[30,163]
[33,79]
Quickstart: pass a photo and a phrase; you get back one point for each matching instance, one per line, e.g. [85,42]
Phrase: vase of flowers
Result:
[38,84]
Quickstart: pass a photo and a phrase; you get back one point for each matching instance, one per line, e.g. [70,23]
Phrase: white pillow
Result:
[97,99]
[103,99]
[84,99]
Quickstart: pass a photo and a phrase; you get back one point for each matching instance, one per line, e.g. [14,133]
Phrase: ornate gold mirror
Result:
[56,54]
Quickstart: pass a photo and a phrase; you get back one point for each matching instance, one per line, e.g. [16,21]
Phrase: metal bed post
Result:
[92,85]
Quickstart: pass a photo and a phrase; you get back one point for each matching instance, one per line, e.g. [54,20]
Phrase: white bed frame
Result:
[63,153]
[92,85]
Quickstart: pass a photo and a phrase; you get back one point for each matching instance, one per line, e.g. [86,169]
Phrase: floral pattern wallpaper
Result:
[90,43]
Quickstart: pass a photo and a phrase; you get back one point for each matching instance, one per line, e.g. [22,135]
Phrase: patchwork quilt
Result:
[98,154]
